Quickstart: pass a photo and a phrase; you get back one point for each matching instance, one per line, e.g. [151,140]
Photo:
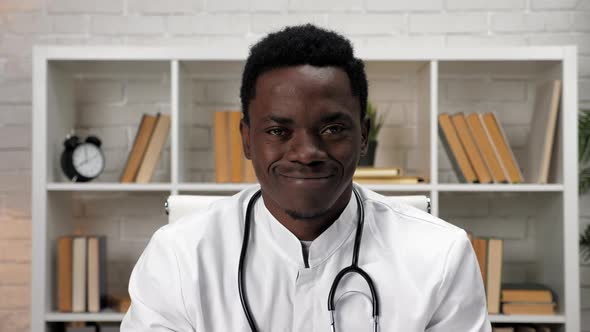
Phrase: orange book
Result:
[235,147]
[528,308]
[526,292]
[504,151]
[221,146]
[486,148]
[154,149]
[64,274]
[480,246]
[249,174]
[455,151]
[142,138]
[481,170]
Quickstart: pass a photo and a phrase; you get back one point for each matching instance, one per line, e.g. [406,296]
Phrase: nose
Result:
[306,148]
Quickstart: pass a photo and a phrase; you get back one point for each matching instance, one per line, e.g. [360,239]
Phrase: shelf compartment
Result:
[509,90]
[531,226]
[105,99]
[127,220]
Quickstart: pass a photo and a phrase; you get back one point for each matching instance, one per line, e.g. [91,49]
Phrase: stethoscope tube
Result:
[353,268]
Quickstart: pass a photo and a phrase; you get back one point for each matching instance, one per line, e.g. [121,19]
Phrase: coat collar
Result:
[321,248]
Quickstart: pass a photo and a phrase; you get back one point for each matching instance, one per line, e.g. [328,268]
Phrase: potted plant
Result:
[584,172]
[377,121]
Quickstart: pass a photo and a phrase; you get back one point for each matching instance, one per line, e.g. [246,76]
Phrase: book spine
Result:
[235,147]
[221,146]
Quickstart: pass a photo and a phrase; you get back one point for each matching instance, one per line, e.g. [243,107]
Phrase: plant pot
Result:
[369,158]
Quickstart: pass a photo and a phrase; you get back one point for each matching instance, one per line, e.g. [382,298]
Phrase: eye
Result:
[333,130]
[279,132]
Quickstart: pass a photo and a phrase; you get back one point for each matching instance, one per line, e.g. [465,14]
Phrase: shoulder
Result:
[393,221]
[221,220]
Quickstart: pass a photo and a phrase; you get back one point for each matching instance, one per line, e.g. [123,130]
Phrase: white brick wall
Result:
[111,106]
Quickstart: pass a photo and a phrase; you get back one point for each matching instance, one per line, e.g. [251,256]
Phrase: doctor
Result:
[304,97]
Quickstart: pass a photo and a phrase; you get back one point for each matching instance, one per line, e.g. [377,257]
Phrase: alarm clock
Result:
[82,161]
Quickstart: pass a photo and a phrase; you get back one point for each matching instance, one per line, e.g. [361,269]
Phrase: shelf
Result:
[501,187]
[117,317]
[84,317]
[535,319]
[211,187]
[109,187]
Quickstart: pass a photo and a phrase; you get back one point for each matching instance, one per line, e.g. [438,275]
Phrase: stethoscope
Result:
[353,268]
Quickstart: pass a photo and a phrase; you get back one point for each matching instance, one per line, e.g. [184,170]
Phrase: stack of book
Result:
[527,299]
[230,163]
[150,139]
[383,175]
[479,150]
[81,274]
[489,253]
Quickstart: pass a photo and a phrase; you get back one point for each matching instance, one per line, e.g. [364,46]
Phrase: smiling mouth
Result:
[303,178]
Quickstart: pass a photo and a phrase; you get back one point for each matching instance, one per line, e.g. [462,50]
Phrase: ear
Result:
[365,127]
[245,132]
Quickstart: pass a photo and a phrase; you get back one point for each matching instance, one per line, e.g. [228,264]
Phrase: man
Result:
[304,97]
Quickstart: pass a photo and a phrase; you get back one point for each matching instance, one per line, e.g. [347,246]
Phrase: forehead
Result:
[291,90]
[305,78]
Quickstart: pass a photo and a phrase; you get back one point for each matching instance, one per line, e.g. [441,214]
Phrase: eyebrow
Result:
[279,119]
[336,116]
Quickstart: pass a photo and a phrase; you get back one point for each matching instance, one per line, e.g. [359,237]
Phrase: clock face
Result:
[88,160]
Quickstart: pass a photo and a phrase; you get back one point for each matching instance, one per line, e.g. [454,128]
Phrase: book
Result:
[154,149]
[542,134]
[64,274]
[526,292]
[494,274]
[221,146]
[519,308]
[236,158]
[498,138]
[79,256]
[455,151]
[485,147]
[480,168]
[376,172]
[249,173]
[480,246]
[502,329]
[144,132]
[97,292]
[393,180]
[120,302]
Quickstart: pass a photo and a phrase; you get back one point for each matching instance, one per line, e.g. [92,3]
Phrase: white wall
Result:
[219,23]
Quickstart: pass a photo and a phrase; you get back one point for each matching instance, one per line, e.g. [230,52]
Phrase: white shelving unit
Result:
[174,80]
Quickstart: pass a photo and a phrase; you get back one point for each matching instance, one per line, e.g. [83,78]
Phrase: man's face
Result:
[304,138]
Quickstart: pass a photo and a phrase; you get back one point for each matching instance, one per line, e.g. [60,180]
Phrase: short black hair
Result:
[303,45]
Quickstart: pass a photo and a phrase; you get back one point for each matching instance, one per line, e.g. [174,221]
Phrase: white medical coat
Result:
[424,269]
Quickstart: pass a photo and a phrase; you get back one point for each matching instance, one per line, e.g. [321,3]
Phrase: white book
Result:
[79,275]
[542,134]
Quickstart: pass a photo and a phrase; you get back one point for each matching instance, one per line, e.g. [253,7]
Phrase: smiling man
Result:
[270,257]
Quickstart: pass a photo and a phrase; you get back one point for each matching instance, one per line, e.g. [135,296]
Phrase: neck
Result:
[308,229]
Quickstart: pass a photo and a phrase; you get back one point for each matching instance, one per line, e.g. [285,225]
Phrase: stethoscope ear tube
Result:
[241,288]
